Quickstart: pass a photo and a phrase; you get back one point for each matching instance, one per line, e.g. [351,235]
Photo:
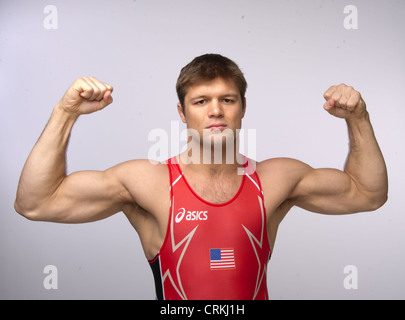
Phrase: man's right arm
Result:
[45,192]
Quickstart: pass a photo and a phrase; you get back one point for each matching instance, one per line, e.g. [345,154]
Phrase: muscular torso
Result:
[149,211]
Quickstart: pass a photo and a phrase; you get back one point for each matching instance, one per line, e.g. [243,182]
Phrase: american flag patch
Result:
[222,259]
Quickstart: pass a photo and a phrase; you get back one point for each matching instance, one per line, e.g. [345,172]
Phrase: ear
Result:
[244,107]
[181,113]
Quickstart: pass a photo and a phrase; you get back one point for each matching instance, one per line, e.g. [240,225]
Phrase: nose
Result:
[215,109]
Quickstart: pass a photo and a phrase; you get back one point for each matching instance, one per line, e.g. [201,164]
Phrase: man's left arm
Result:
[363,184]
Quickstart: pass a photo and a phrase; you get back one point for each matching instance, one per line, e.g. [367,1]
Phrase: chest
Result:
[238,216]
[215,189]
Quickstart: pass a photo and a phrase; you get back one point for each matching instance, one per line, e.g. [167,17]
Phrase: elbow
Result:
[377,202]
[383,201]
[29,214]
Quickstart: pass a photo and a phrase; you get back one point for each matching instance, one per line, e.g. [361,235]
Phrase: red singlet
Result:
[213,251]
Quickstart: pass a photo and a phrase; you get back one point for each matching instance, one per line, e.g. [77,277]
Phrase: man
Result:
[207,225]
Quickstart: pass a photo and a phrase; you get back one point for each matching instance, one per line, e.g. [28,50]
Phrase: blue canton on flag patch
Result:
[222,259]
[215,254]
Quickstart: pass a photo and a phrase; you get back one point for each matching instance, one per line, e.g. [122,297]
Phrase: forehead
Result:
[217,86]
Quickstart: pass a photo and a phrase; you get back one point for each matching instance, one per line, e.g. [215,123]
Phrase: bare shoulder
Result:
[281,175]
[146,182]
[284,166]
[140,167]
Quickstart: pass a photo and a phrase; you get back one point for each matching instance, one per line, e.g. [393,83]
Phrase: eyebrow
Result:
[230,95]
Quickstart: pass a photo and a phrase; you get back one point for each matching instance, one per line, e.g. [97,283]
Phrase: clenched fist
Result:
[86,95]
[344,102]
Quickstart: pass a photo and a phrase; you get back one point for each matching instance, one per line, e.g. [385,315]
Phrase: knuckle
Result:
[343,100]
[79,82]
[351,106]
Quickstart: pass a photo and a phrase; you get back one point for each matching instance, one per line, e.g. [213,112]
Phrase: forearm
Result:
[45,167]
[365,163]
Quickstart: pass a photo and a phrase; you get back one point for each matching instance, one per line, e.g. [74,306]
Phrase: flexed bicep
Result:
[329,191]
[81,197]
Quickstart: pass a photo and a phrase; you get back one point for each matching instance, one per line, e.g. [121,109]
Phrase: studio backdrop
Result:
[290,52]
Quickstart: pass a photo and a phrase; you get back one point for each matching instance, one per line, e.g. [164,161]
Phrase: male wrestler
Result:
[207,227]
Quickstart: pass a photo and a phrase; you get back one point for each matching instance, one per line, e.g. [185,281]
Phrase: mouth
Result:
[216,126]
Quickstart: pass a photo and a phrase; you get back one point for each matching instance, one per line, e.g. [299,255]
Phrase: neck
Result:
[212,159]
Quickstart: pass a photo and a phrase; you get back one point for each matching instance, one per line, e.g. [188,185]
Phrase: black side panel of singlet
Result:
[155,266]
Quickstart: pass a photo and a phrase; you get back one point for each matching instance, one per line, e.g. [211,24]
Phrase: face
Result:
[213,107]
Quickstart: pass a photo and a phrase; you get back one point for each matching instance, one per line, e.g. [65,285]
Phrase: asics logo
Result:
[191,215]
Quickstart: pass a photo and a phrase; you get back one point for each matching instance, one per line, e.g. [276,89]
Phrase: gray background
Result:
[290,52]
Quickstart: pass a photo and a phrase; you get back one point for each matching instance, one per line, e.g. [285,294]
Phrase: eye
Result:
[228,101]
[200,102]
